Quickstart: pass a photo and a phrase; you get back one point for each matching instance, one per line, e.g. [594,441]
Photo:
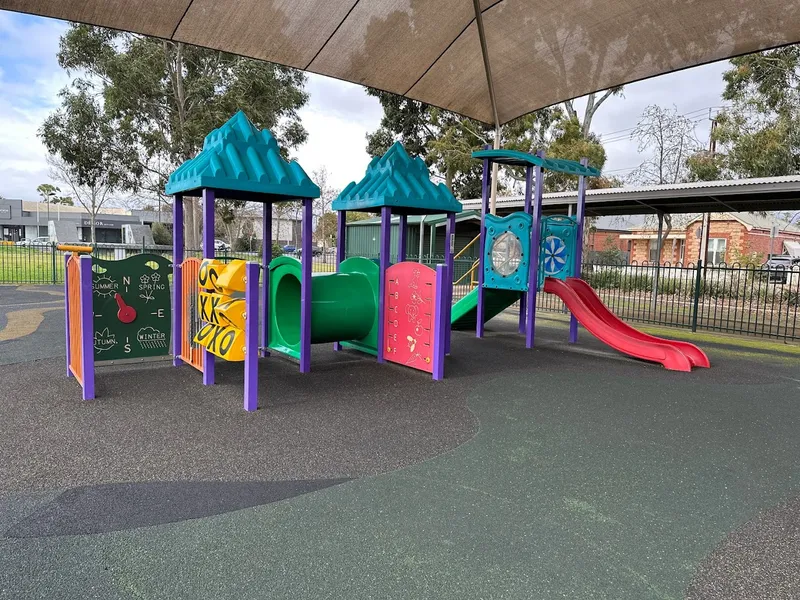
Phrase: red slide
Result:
[696,356]
[669,356]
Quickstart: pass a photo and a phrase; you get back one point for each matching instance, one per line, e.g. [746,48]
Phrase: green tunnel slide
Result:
[344,305]
[465,311]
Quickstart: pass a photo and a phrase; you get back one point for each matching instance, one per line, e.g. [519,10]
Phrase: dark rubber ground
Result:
[562,472]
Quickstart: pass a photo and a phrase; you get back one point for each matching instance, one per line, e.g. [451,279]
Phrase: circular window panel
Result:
[506,254]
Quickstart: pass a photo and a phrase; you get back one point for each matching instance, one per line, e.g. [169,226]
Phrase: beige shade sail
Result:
[540,52]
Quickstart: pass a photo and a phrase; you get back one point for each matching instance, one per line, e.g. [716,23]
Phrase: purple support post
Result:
[486,184]
[177,287]
[533,269]
[579,216]
[87,328]
[386,240]
[524,297]
[440,322]
[402,241]
[66,308]
[252,271]
[449,248]
[266,258]
[341,239]
[305,288]
[208,252]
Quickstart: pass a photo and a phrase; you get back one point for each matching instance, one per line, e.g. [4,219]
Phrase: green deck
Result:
[465,311]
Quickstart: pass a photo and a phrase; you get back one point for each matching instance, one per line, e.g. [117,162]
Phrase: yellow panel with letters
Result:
[225,342]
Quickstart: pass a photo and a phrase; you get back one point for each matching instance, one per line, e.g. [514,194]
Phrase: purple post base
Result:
[341,238]
[386,238]
[440,322]
[266,258]
[252,271]
[522,312]
[305,289]
[177,314]
[66,308]
[208,252]
[87,328]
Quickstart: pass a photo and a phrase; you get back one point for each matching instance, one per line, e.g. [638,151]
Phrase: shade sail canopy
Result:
[540,52]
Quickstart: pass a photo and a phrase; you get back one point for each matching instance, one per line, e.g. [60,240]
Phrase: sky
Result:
[338,116]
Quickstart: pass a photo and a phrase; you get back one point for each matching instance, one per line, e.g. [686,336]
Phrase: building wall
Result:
[601,239]
[738,243]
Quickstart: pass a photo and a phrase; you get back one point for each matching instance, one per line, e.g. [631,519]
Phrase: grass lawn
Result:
[30,265]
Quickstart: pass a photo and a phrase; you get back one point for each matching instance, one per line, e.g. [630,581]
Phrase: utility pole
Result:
[712,149]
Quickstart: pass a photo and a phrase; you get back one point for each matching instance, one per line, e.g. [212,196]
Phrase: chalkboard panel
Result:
[131,300]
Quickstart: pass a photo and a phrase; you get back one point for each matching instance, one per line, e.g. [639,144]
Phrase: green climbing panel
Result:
[131,301]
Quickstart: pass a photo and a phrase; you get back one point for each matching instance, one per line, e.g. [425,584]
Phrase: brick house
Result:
[732,236]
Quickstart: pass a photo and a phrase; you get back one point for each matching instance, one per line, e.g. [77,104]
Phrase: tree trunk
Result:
[92,218]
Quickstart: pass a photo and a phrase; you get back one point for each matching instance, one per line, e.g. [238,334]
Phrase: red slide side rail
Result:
[697,357]
[669,356]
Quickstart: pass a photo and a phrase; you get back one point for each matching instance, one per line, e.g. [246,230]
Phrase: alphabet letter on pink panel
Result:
[409,302]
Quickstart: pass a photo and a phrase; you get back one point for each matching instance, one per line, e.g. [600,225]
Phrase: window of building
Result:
[43,231]
[652,255]
[681,250]
[716,251]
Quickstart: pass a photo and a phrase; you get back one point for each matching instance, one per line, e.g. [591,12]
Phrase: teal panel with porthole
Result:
[506,253]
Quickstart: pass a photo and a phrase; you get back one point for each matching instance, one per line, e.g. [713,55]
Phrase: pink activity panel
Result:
[409,315]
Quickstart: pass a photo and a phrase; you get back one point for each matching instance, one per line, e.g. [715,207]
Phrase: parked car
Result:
[315,251]
[221,246]
[779,267]
[39,241]
[289,249]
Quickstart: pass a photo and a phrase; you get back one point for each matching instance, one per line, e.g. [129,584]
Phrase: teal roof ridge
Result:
[524,159]
[245,162]
[400,182]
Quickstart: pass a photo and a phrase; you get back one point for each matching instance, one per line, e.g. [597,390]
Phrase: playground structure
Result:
[523,252]
[400,312]
[396,312]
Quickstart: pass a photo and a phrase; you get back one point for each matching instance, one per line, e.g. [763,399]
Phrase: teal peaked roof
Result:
[400,182]
[242,163]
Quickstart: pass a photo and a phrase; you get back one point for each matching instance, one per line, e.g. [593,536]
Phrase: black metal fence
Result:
[728,298]
[746,299]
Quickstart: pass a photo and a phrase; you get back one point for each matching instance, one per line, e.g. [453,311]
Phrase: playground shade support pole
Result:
[533,268]
[386,239]
[485,184]
[440,322]
[305,289]
[341,239]
[580,212]
[66,308]
[449,248]
[177,287]
[402,239]
[87,328]
[523,313]
[252,271]
[421,238]
[208,252]
[266,258]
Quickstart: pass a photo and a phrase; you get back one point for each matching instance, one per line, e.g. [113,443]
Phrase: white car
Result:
[221,246]
[39,241]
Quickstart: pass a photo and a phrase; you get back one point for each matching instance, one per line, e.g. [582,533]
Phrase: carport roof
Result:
[739,195]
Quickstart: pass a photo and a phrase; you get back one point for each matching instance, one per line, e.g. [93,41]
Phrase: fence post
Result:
[697,278]
[53,261]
